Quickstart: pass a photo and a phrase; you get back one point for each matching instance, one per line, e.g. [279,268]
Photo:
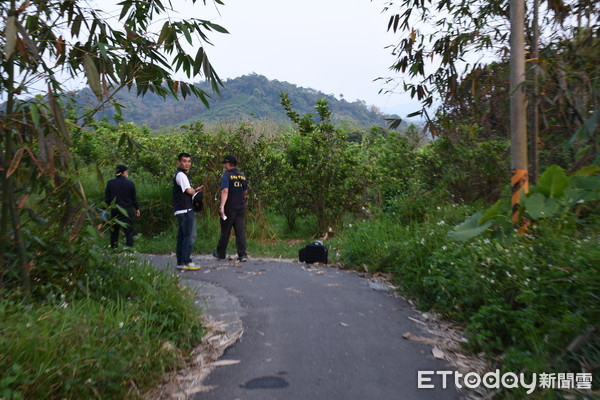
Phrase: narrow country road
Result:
[311,333]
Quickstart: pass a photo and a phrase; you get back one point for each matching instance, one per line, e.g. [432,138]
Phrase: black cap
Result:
[229,159]
[120,169]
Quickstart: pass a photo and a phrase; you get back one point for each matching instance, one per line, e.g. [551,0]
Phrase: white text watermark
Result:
[507,380]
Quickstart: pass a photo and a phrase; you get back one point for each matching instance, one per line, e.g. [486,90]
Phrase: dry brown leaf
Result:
[437,353]
[417,321]
[224,363]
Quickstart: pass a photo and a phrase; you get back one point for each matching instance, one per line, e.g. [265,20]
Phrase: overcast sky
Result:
[335,46]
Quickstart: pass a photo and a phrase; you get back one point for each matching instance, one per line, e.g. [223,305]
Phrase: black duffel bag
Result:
[315,252]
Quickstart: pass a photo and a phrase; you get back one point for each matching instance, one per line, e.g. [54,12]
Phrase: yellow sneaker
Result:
[189,267]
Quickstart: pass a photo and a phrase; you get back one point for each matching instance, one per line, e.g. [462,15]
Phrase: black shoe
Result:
[243,258]
[215,255]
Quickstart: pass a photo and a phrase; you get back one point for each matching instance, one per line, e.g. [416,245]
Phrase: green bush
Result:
[391,242]
[523,298]
[115,342]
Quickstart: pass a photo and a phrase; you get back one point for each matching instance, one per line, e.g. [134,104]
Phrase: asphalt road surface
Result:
[312,333]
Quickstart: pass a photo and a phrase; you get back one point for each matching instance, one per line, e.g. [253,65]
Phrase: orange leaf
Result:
[16,161]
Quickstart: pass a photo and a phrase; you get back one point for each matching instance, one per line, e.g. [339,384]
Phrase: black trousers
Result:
[127,230]
[235,220]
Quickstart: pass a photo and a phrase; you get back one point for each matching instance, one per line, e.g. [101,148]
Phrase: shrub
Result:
[115,342]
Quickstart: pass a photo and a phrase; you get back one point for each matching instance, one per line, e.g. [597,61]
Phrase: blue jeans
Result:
[186,236]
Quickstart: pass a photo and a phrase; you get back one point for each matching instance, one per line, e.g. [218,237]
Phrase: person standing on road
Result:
[232,209]
[184,212]
[122,191]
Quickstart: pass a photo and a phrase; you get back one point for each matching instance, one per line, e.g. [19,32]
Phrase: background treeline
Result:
[246,97]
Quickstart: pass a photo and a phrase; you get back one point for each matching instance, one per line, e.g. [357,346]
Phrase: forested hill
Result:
[250,96]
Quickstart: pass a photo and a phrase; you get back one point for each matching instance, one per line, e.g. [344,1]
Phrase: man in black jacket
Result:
[122,191]
[232,209]
[184,212]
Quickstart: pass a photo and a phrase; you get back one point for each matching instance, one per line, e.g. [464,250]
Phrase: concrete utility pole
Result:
[518,104]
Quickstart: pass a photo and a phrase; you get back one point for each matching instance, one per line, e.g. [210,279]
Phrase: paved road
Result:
[312,333]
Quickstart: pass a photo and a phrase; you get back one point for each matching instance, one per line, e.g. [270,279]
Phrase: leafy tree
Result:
[568,102]
[439,35]
[42,44]
[327,174]
[467,28]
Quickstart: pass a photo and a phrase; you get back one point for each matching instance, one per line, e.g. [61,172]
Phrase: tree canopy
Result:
[45,43]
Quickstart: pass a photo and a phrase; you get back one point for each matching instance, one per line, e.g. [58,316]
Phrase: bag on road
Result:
[313,253]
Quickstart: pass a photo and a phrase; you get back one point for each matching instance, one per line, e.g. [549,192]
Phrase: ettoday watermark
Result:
[507,380]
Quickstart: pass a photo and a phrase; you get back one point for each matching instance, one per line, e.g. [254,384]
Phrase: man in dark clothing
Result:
[232,210]
[122,191]
[184,212]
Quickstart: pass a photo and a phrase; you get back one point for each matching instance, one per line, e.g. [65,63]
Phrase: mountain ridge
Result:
[250,96]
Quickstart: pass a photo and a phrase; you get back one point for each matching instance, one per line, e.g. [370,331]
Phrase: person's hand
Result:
[137,213]
[199,188]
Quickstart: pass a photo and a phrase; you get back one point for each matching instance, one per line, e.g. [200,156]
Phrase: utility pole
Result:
[535,123]
[518,105]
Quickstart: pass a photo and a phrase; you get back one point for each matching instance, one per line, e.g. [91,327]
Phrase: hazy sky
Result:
[335,46]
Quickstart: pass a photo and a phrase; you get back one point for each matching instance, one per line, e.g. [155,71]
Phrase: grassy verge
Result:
[267,236]
[133,324]
[529,302]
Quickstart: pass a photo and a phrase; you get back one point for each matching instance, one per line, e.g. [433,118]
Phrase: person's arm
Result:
[184,183]
[224,195]
[108,196]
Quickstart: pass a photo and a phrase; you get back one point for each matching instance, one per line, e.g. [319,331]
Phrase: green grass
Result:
[114,343]
[266,237]
[522,298]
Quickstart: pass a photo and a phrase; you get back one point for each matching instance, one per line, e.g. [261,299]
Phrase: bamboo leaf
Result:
[57,114]
[15,162]
[396,21]
[394,123]
[92,76]
[29,44]
[35,114]
[217,28]
[186,32]
[164,33]
[11,36]
[37,163]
